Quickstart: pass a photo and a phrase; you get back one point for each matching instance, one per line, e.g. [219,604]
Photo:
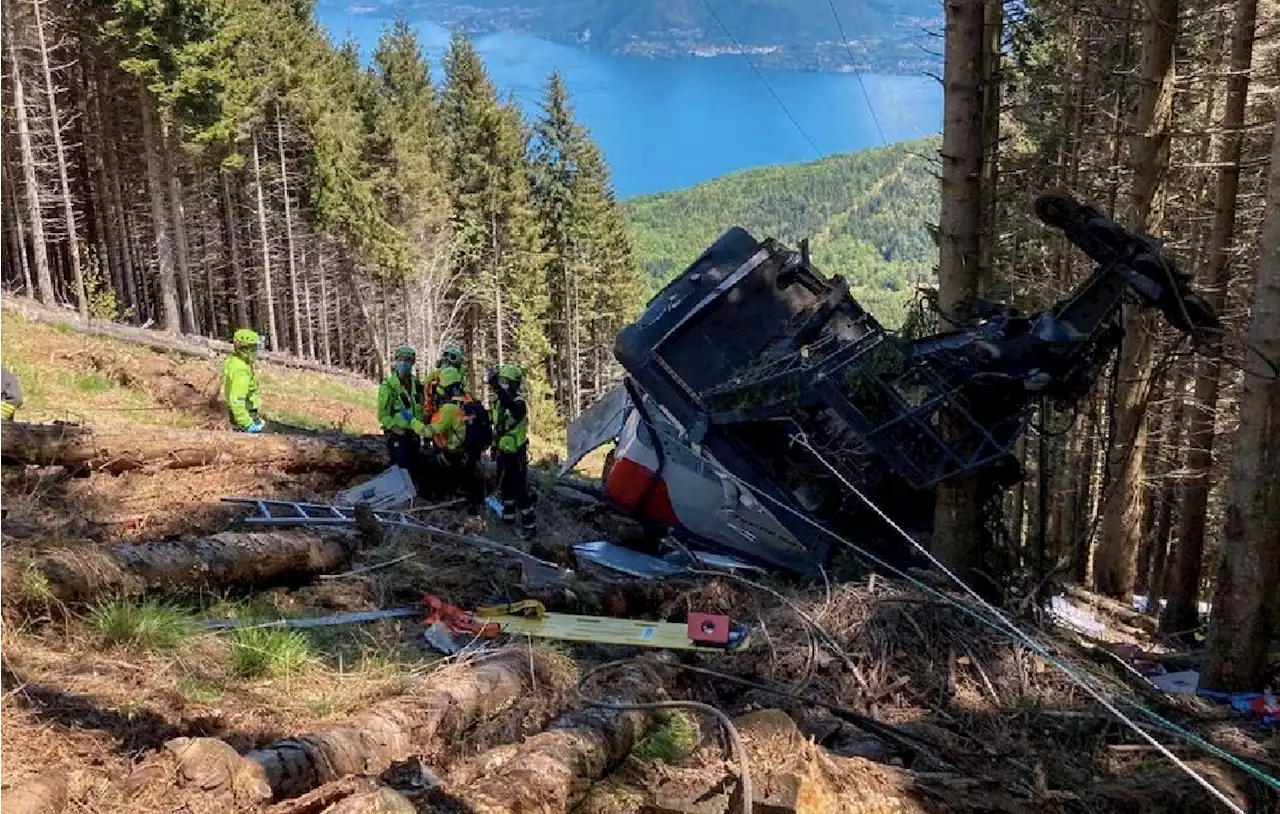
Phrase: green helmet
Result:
[511,373]
[246,338]
[405,352]
[452,356]
[450,376]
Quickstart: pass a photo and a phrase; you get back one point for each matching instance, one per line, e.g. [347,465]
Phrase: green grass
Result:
[199,690]
[670,739]
[93,384]
[149,624]
[271,652]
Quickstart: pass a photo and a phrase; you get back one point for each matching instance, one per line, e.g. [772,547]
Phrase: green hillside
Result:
[867,215]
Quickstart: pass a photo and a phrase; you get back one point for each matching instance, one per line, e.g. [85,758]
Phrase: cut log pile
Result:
[553,770]
[121,450]
[223,562]
[429,718]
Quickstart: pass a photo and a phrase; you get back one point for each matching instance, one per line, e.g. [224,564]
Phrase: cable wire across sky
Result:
[812,144]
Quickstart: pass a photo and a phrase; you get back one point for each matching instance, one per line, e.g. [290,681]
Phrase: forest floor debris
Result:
[898,696]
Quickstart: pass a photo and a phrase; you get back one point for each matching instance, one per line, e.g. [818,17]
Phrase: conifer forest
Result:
[195,167]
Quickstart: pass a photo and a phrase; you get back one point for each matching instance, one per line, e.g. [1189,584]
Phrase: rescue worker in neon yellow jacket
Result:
[510,419]
[401,416]
[458,432]
[452,356]
[240,383]
[11,392]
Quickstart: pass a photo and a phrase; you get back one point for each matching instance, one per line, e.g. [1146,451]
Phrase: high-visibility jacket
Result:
[433,400]
[10,394]
[448,427]
[510,423]
[394,398]
[240,388]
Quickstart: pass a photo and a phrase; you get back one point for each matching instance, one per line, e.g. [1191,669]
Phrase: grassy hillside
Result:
[866,215]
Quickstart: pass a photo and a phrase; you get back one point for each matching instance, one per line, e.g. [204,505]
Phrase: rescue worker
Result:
[10,394]
[452,356]
[510,418]
[240,383]
[456,433]
[400,414]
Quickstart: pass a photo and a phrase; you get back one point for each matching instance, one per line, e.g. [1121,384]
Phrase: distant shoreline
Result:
[827,57]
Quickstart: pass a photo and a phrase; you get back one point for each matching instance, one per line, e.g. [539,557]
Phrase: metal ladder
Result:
[300,513]
[294,512]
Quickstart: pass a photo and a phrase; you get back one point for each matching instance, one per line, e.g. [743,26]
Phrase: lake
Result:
[671,123]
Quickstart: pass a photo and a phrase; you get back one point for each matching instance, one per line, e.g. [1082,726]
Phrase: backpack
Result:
[479,425]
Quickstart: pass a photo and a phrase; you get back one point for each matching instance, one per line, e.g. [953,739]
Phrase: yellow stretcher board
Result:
[605,630]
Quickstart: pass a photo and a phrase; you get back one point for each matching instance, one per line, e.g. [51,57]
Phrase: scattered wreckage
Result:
[764,411]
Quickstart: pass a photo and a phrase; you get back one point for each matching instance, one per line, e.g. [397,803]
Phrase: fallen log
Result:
[1124,613]
[45,794]
[229,561]
[188,345]
[428,718]
[554,769]
[121,450]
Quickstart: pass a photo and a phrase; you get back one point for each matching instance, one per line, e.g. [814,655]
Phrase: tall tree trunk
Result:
[30,182]
[211,295]
[324,307]
[1181,611]
[233,253]
[124,238]
[992,26]
[21,240]
[171,156]
[159,215]
[957,526]
[272,342]
[1116,560]
[1244,603]
[288,237]
[306,293]
[60,156]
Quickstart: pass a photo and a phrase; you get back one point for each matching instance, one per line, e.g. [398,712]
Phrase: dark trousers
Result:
[513,488]
[405,451]
[454,472]
[513,478]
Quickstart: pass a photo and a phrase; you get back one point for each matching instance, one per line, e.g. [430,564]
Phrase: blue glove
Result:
[407,415]
[256,427]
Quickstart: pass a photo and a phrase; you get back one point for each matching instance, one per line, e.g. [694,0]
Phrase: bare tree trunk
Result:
[1116,560]
[324,306]
[272,341]
[1181,612]
[211,298]
[1249,571]
[306,293]
[20,238]
[233,253]
[171,159]
[124,247]
[159,218]
[288,237]
[992,26]
[957,533]
[55,127]
[30,183]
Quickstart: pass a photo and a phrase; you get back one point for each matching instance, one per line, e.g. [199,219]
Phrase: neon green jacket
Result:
[448,426]
[393,398]
[510,417]
[240,388]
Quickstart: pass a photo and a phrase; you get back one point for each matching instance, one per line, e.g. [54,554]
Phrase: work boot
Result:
[528,524]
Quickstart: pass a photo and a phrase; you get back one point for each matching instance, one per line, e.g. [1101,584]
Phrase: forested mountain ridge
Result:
[207,165]
[884,36]
[867,215]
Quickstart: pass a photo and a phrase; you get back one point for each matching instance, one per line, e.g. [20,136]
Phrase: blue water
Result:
[671,123]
